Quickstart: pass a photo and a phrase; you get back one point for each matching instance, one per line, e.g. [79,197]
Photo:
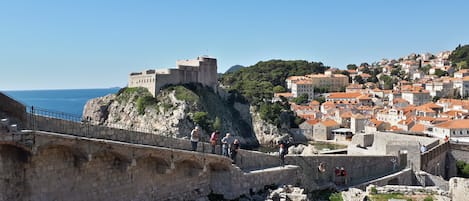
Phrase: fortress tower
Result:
[202,70]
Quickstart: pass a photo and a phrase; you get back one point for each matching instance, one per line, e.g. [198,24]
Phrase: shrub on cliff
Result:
[182,92]
[142,95]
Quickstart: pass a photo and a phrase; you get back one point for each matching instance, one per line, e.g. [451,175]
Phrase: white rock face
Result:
[172,122]
[173,117]
[288,193]
[266,133]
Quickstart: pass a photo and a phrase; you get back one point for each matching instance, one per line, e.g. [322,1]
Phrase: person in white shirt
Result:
[195,138]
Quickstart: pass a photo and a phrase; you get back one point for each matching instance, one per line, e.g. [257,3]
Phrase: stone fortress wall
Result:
[201,70]
[89,162]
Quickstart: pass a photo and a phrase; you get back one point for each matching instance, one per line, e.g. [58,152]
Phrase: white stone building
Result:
[201,70]
[462,86]
[419,97]
[301,87]
[453,128]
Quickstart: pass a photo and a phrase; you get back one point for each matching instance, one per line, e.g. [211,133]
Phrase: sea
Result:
[70,101]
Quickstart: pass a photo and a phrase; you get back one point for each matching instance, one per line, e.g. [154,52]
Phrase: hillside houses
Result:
[422,103]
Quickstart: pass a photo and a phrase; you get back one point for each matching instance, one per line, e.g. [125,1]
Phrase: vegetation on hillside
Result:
[463,169]
[460,57]
[206,108]
[143,97]
[256,85]
[234,68]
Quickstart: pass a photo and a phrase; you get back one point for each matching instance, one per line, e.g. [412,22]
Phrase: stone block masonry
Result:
[64,167]
[202,70]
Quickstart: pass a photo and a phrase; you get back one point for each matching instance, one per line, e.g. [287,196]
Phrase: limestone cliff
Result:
[173,112]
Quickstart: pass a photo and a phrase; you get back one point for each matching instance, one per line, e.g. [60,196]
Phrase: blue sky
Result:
[96,44]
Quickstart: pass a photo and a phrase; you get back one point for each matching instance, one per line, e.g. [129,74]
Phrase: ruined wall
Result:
[458,189]
[359,168]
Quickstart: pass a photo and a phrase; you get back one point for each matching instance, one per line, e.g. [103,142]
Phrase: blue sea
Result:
[69,101]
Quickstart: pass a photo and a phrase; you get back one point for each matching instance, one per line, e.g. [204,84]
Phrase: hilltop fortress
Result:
[202,70]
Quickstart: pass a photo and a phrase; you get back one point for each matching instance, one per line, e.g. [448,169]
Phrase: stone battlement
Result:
[201,70]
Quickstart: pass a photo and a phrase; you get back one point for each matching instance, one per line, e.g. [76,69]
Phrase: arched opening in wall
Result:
[14,153]
[154,165]
[189,168]
[67,154]
[112,160]
[12,175]
[218,167]
[394,181]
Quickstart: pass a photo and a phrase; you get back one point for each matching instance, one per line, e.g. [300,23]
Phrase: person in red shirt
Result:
[213,140]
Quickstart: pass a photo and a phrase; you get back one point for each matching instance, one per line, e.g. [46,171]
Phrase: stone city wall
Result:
[63,167]
[359,168]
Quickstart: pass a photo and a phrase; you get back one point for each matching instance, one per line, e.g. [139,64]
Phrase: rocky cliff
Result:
[174,112]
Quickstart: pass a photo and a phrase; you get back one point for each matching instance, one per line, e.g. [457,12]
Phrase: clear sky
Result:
[97,43]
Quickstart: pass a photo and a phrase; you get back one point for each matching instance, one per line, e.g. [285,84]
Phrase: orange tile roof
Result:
[363,97]
[399,100]
[424,109]
[453,113]
[329,123]
[346,115]
[365,75]
[312,121]
[314,103]
[376,122]
[328,103]
[455,124]
[431,105]
[303,82]
[359,116]
[307,116]
[343,95]
[418,128]
[295,77]
[286,94]
[426,118]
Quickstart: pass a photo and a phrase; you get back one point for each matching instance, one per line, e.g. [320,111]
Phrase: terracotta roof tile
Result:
[418,128]
[329,123]
[455,124]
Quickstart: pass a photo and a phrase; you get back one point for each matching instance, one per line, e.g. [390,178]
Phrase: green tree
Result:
[460,56]
[359,79]
[320,99]
[364,64]
[352,67]
[279,89]
[201,119]
[426,68]
[217,123]
[143,101]
[302,99]
[440,73]
[255,83]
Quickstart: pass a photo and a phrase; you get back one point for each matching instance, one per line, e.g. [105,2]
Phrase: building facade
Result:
[201,70]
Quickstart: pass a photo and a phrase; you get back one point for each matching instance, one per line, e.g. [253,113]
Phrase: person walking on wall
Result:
[282,152]
[213,140]
[195,135]
[234,150]
[226,143]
